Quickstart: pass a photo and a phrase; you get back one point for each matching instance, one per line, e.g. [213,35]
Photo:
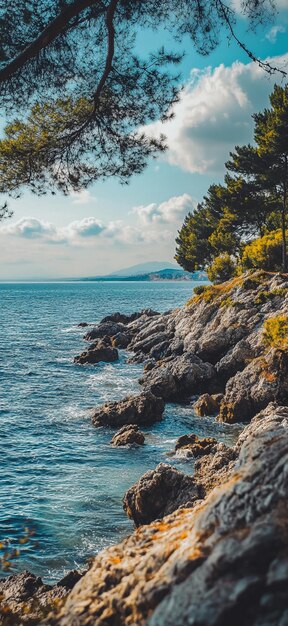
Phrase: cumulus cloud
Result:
[30,228]
[169,212]
[87,227]
[214,114]
[86,231]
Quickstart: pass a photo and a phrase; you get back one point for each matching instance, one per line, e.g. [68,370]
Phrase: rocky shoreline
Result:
[211,548]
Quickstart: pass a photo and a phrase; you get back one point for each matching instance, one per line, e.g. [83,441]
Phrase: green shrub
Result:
[199,289]
[275,332]
[223,268]
[264,253]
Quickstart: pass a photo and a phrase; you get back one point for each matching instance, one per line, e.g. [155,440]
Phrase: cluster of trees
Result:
[242,223]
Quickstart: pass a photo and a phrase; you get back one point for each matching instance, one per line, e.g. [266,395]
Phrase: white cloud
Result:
[30,228]
[87,231]
[81,197]
[214,115]
[273,32]
[87,227]
[170,212]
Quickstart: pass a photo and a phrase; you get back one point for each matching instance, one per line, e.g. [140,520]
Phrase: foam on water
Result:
[61,482]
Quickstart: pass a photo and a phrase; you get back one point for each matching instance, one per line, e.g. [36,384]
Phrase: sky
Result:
[108,226]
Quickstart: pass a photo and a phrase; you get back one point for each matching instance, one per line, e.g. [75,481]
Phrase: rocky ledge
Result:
[221,561]
[216,345]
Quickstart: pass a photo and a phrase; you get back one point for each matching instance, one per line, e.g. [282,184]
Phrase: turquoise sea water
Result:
[61,482]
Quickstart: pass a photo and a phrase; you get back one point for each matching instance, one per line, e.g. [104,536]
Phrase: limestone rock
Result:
[144,408]
[191,445]
[179,377]
[222,562]
[106,328]
[99,352]
[128,435]
[208,405]
[121,340]
[264,380]
[158,493]
[25,599]
[126,319]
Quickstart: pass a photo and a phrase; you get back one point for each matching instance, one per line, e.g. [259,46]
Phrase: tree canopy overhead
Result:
[70,71]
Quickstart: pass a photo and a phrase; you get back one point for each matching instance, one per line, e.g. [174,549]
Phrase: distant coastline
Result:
[161,275]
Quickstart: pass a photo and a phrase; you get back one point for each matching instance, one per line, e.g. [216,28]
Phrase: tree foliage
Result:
[222,268]
[5,212]
[251,203]
[265,165]
[264,252]
[70,71]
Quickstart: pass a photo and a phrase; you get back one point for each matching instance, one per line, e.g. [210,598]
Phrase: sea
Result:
[61,482]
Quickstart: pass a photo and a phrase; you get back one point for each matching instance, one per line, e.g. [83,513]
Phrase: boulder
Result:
[25,599]
[144,408]
[158,493]
[208,405]
[191,445]
[126,319]
[99,352]
[83,325]
[179,378]
[128,435]
[264,380]
[106,328]
[235,360]
[121,340]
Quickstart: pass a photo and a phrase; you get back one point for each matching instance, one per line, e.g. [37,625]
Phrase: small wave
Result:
[72,329]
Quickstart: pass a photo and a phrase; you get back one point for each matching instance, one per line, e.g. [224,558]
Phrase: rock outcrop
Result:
[264,380]
[128,435]
[25,599]
[191,445]
[208,405]
[213,345]
[158,493]
[142,409]
[223,561]
[98,352]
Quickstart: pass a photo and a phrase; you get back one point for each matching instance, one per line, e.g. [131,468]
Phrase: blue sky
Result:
[109,226]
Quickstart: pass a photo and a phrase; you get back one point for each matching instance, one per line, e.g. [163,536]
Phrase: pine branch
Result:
[48,35]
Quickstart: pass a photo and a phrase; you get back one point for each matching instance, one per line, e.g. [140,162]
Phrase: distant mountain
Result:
[144,268]
[167,273]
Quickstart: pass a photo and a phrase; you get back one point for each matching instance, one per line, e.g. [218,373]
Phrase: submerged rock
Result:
[99,352]
[191,445]
[158,493]
[144,408]
[222,562]
[128,435]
